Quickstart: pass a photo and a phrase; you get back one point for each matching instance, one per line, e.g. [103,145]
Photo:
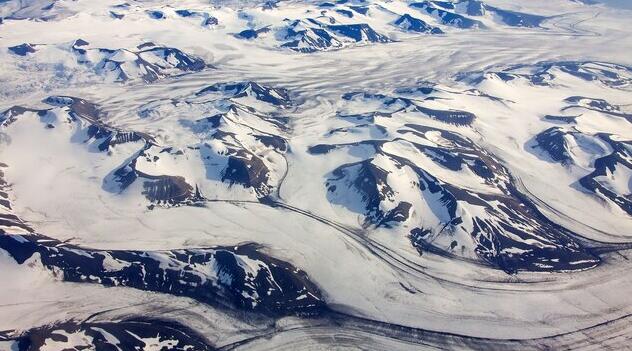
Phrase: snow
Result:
[619,181]
[74,340]
[57,182]
[111,264]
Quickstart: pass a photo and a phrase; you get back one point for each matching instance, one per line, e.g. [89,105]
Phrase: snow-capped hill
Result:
[510,18]
[75,120]
[9,222]
[207,19]
[233,119]
[306,37]
[252,33]
[75,106]
[431,91]
[241,146]
[598,105]
[409,23]
[342,23]
[363,10]
[159,189]
[323,33]
[571,147]
[148,63]
[70,110]
[233,142]
[459,13]
[611,178]
[606,157]
[11,114]
[138,333]
[438,9]
[608,74]
[156,14]
[458,198]
[557,143]
[541,78]
[39,10]
[240,277]
[359,33]
[22,49]
[474,7]
[515,19]
[453,195]
[561,119]
[236,90]
[88,116]
[374,194]
[581,130]
[388,104]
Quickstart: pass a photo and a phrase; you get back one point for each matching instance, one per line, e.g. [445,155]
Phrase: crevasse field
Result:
[313,175]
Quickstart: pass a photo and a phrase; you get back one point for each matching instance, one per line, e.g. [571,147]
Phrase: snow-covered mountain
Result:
[352,174]
[148,62]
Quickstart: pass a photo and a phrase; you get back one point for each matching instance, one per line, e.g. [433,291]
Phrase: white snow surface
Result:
[56,182]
